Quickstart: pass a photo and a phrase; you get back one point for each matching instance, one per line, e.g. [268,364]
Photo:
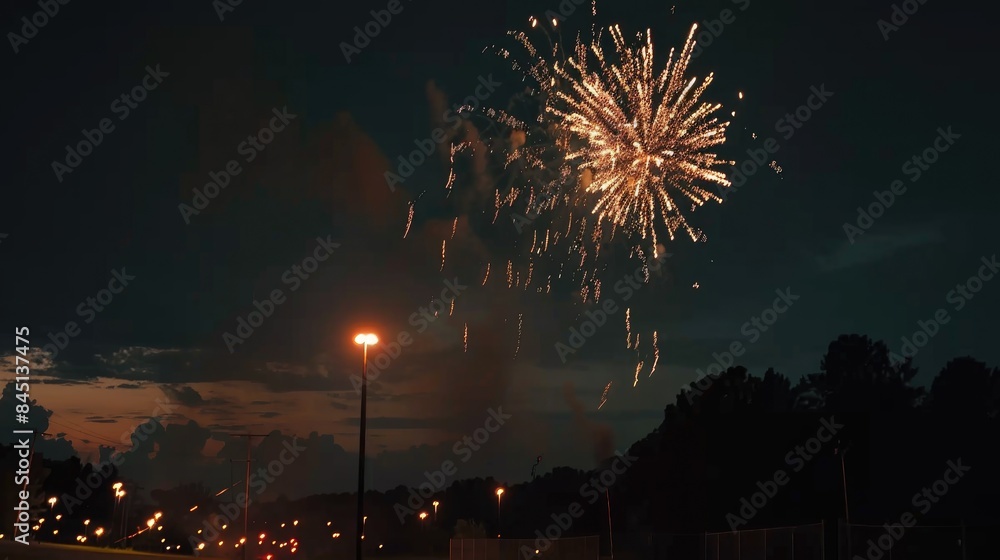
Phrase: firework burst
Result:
[643,136]
[631,145]
[604,147]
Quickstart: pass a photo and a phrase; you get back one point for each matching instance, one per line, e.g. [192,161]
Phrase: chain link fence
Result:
[801,542]
[577,548]
[896,542]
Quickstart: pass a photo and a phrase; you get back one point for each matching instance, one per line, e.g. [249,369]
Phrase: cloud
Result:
[870,248]
[184,395]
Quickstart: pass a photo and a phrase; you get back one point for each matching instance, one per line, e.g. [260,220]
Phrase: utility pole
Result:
[246,491]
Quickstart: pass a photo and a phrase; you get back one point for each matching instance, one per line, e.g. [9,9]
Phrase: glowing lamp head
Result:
[150,523]
[423,515]
[366,338]
[52,501]
[117,486]
[499,492]
[436,503]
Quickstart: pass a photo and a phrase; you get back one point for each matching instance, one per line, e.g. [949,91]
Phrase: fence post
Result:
[793,543]
[822,540]
[963,539]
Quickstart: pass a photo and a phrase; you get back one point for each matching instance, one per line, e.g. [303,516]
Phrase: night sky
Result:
[320,183]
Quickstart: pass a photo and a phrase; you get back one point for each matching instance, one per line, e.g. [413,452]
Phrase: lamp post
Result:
[365,340]
[114,512]
[499,493]
[436,504]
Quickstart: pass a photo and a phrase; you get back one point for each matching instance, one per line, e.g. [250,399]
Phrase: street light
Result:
[365,340]
[118,496]
[499,493]
[436,504]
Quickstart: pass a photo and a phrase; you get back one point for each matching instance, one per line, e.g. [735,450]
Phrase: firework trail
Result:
[604,395]
[656,353]
[409,220]
[628,327]
[520,327]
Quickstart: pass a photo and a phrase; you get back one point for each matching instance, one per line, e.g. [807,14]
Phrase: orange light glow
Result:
[366,338]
